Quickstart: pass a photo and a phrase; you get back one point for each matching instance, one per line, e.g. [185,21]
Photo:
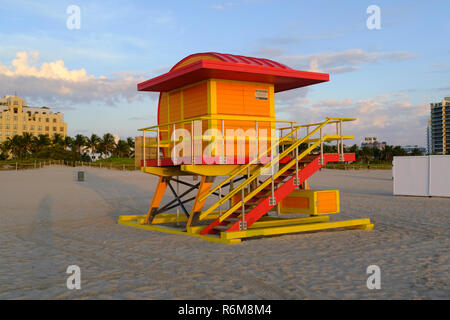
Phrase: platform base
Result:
[267,226]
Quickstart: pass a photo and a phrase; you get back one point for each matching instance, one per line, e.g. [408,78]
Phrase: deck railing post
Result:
[192,141]
[296,181]
[230,202]
[143,148]
[222,160]
[257,139]
[272,200]
[178,207]
[243,224]
[220,198]
[174,161]
[307,133]
[338,140]
[157,148]
[248,177]
[321,148]
[341,155]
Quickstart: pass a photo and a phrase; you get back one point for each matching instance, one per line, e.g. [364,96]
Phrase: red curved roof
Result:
[232,67]
[232,58]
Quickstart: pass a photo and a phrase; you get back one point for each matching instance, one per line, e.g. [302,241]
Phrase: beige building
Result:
[16,117]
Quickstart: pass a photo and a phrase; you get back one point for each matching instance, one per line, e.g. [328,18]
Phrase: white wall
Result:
[422,176]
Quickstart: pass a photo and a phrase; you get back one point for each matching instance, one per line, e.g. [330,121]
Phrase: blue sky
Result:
[384,77]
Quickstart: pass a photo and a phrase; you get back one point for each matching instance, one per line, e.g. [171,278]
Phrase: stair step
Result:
[231,219]
[286,174]
[260,196]
[239,211]
[221,228]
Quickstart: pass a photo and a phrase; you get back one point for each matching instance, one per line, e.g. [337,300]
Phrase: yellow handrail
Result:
[245,167]
[253,177]
[335,120]
[267,182]
[275,176]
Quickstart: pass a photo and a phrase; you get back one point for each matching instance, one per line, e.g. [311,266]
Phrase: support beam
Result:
[156,201]
[169,206]
[205,186]
[360,224]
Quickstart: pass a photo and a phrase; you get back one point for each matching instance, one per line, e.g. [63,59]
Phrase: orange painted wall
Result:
[175,106]
[238,98]
[231,98]
[195,101]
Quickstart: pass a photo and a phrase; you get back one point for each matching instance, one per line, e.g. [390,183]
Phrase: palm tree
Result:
[78,142]
[58,140]
[27,141]
[40,142]
[17,146]
[130,142]
[5,148]
[416,152]
[93,142]
[68,141]
[366,154]
[107,144]
[122,149]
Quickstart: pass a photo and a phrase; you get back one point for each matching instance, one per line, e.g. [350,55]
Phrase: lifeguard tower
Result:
[249,171]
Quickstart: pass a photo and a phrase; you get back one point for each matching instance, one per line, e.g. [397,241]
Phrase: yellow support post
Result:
[360,224]
[203,189]
[156,201]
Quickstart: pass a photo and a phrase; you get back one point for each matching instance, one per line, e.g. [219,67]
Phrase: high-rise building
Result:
[16,117]
[440,126]
[429,140]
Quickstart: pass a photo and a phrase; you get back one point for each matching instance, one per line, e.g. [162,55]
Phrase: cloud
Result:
[54,82]
[344,61]
[222,6]
[393,119]
[333,103]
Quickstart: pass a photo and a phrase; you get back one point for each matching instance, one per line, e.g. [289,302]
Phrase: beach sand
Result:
[50,221]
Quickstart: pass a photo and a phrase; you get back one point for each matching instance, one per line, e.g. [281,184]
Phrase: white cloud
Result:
[394,119]
[340,62]
[53,81]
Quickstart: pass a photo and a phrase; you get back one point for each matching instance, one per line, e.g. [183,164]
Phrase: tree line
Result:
[28,146]
[374,155]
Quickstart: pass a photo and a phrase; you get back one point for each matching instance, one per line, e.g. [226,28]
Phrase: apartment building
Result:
[372,142]
[16,117]
[440,126]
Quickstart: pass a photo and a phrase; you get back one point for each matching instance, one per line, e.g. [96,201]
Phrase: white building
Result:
[372,142]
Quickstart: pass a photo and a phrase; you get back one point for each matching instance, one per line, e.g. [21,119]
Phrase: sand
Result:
[50,221]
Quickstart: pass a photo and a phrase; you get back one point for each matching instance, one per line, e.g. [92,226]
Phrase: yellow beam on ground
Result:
[165,229]
[359,223]
[286,222]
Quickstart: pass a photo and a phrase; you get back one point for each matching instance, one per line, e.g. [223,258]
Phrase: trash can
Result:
[80,175]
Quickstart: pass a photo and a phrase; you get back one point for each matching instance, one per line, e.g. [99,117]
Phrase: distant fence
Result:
[8,166]
[358,166]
